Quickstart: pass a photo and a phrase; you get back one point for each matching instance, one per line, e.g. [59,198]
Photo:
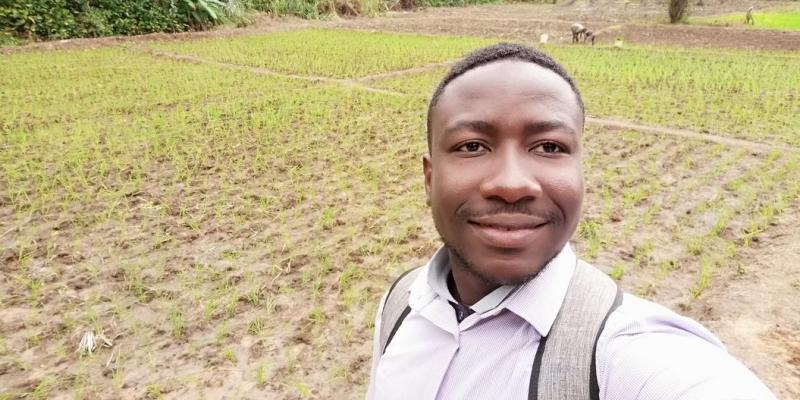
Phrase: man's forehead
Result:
[504,79]
[507,75]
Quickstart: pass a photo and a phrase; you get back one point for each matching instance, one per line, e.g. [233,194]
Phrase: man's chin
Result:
[504,267]
[508,274]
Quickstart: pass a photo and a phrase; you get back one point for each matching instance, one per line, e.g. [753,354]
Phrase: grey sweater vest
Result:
[565,366]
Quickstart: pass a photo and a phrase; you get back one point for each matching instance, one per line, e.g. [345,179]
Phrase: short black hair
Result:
[498,52]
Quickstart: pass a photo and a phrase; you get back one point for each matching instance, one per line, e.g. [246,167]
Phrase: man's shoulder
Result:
[636,316]
[663,354]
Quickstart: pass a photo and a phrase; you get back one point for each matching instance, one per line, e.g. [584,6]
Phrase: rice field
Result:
[230,233]
[727,92]
[773,19]
[319,52]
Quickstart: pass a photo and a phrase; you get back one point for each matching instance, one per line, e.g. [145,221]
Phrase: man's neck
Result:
[467,288]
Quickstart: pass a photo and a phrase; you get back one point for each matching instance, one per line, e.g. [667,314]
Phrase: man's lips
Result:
[507,230]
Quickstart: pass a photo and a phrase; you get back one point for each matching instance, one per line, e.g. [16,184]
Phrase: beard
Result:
[473,270]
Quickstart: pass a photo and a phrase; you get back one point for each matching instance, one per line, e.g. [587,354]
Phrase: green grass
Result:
[751,95]
[89,86]
[319,52]
[210,219]
[784,20]
[154,153]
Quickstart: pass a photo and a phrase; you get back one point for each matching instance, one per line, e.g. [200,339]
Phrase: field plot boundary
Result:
[689,134]
[357,83]
[261,71]
[407,71]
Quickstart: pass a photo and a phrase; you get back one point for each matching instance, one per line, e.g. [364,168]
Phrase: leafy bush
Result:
[38,18]
[60,19]
[319,8]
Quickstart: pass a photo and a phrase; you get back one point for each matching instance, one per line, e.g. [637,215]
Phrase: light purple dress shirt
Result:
[645,352]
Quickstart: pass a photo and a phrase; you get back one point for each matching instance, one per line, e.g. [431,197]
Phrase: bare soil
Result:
[635,23]
[757,313]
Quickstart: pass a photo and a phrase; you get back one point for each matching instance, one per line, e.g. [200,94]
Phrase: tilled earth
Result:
[634,24]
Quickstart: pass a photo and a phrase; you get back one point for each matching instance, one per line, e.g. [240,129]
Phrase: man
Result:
[588,35]
[578,30]
[505,310]
[748,18]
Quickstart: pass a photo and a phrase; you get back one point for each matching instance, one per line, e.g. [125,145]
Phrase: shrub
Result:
[61,19]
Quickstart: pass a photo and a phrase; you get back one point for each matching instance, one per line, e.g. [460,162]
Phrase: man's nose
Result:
[511,178]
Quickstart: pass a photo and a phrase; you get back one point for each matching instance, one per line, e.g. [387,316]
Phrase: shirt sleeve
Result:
[647,352]
[376,351]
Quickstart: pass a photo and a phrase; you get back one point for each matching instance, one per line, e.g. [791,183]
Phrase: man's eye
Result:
[471,147]
[549,147]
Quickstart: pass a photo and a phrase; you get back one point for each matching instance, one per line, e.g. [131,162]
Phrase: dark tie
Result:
[462,311]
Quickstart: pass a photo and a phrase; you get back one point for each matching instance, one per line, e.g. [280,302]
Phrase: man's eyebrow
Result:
[472,125]
[537,127]
[531,128]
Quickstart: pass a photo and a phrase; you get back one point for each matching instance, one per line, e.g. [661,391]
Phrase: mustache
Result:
[509,208]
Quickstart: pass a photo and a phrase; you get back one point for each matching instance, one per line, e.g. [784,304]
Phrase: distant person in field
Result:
[577,32]
[748,18]
[505,309]
[588,35]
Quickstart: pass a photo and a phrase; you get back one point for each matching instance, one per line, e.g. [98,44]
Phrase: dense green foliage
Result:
[61,19]
[318,8]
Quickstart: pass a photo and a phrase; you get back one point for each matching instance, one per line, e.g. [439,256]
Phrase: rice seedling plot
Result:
[64,87]
[230,234]
[657,205]
[784,20]
[750,95]
[188,234]
[329,53]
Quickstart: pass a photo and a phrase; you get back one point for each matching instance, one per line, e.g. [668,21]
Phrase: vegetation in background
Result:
[677,10]
[785,20]
[455,3]
[61,19]
[319,8]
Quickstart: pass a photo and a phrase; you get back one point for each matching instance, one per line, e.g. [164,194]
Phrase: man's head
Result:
[503,175]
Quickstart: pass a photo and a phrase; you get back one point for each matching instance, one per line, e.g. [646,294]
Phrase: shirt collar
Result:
[537,301]
[438,272]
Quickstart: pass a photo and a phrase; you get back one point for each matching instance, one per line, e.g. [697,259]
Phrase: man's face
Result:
[504,177]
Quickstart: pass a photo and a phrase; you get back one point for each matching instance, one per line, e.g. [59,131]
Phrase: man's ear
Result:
[427,171]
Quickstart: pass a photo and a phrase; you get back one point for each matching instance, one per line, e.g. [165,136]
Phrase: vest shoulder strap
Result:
[395,307]
[565,366]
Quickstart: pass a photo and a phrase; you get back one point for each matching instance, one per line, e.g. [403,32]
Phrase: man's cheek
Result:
[566,185]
